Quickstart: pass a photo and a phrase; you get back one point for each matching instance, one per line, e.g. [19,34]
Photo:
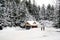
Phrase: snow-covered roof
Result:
[32,22]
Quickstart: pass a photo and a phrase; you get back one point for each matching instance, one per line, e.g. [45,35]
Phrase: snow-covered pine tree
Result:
[2,13]
[33,9]
[48,11]
[58,13]
[52,13]
[43,12]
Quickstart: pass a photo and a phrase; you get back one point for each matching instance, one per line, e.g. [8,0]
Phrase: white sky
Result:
[46,2]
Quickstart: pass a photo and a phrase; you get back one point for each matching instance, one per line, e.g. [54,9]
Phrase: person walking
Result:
[43,27]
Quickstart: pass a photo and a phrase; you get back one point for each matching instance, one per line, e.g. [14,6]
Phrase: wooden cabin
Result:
[30,24]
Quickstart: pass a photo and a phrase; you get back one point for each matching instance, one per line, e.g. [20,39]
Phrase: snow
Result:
[47,23]
[45,2]
[32,22]
[17,33]
[32,34]
[42,23]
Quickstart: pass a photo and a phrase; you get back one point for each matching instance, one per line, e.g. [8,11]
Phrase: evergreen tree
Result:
[33,10]
[58,12]
[48,12]
[52,13]
[43,12]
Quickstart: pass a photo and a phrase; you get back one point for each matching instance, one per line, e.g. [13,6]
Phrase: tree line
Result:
[13,12]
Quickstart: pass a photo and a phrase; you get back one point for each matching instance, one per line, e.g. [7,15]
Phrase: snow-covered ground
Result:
[32,34]
[17,33]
